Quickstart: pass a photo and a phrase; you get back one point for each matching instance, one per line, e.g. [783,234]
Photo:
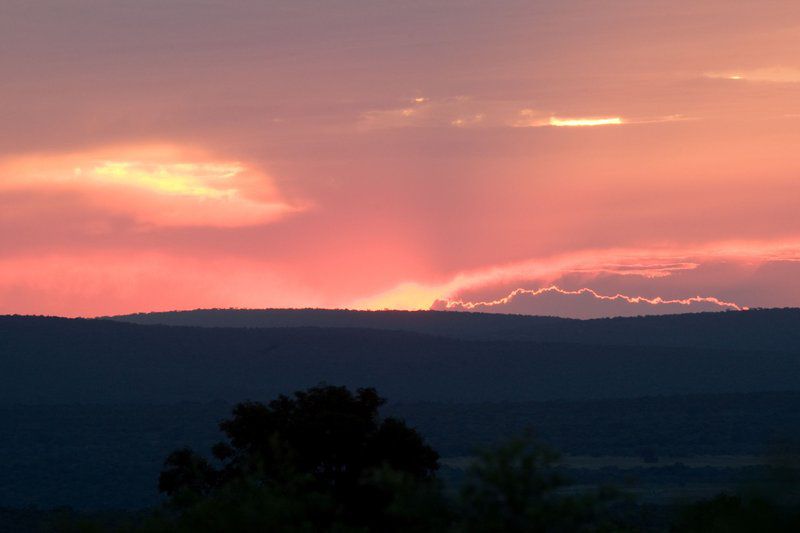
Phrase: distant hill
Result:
[760,329]
[52,360]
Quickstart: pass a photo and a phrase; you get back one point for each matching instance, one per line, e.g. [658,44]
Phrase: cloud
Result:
[492,285]
[583,122]
[761,75]
[160,185]
[529,118]
[459,111]
[464,112]
[585,303]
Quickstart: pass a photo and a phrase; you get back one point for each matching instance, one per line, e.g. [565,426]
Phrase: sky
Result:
[571,158]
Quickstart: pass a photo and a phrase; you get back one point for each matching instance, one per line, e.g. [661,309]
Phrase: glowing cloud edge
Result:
[465,305]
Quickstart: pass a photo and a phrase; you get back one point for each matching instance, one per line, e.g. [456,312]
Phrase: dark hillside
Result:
[50,360]
[760,329]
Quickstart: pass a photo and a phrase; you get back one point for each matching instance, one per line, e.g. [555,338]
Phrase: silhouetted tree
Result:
[324,460]
[515,488]
[186,471]
[325,444]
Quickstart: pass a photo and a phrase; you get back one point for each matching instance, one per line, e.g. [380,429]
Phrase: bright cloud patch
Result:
[203,180]
[578,122]
[160,185]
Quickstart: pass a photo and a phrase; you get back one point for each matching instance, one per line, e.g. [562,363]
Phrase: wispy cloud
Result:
[762,75]
[529,118]
[459,111]
[468,112]
[646,263]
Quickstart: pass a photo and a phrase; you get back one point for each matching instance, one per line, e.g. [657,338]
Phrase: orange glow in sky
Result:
[323,156]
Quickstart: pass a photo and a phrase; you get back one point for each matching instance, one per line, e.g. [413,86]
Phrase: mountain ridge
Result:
[52,360]
[772,329]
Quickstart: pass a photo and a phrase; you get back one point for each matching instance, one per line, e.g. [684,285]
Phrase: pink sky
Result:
[370,154]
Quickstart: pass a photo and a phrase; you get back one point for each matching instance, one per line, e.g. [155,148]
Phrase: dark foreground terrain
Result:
[668,407]
[109,456]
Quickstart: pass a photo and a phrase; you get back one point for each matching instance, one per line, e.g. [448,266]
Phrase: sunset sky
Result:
[551,157]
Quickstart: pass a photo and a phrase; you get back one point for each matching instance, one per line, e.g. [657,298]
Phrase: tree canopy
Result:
[326,441]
